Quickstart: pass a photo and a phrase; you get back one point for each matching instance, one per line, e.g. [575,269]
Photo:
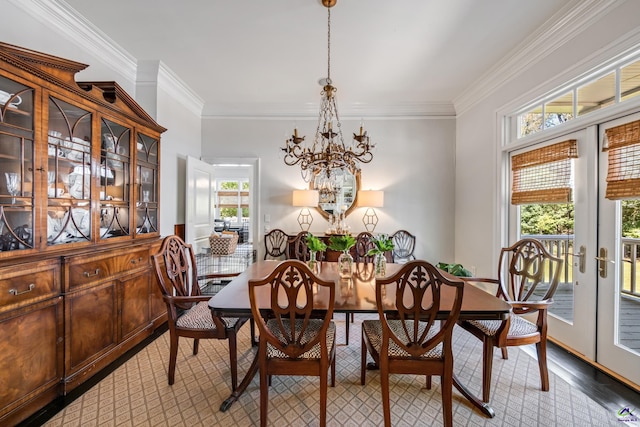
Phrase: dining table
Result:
[355,294]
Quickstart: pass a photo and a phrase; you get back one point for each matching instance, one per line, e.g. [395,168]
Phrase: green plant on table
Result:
[341,243]
[455,269]
[315,244]
[382,243]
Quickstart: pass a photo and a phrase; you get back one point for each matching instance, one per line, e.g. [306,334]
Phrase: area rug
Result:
[137,393]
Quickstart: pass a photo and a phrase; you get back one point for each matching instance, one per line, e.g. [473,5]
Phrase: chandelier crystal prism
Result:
[328,153]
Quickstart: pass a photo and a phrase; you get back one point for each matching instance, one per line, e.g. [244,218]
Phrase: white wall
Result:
[413,163]
[477,227]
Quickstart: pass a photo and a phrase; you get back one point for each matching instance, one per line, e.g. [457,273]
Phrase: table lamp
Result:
[370,199]
[305,199]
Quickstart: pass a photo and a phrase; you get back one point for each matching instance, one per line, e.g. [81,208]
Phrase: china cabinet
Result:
[79,219]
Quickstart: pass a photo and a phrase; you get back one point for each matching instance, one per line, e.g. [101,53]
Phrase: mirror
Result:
[338,193]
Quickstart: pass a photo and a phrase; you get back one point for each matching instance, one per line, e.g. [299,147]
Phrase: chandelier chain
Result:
[329,45]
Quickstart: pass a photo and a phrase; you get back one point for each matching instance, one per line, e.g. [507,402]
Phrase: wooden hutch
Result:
[79,217]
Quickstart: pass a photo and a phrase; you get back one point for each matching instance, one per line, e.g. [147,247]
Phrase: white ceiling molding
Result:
[311,111]
[58,14]
[178,89]
[576,16]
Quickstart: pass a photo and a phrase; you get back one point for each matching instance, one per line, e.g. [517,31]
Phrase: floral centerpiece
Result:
[381,244]
[345,260]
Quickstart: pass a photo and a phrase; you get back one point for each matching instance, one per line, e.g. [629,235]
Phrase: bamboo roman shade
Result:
[543,175]
[623,173]
[230,199]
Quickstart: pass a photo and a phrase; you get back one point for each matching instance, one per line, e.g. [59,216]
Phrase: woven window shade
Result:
[229,199]
[543,175]
[623,173]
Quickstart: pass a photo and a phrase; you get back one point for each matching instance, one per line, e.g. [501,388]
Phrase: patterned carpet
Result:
[137,393]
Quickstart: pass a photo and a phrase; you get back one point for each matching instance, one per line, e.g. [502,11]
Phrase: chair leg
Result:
[173,355]
[233,359]
[196,346]
[363,361]
[428,382]
[346,332]
[384,388]
[264,394]
[487,361]
[323,396]
[333,369]
[447,398]
[505,354]
[542,363]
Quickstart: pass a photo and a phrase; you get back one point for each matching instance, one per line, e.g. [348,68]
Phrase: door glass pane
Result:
[16,166]
[114,179]
[68,173]
[629,303]
[552,224]
[147,185]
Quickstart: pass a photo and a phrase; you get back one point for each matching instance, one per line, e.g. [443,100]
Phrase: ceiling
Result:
[243,57]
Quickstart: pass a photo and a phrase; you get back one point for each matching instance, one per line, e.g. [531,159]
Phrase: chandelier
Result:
[328,153]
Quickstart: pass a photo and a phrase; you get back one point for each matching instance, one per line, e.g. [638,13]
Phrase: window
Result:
[607,86]
[232,201]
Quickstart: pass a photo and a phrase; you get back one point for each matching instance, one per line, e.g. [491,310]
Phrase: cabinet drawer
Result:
[83,270]
[28,283]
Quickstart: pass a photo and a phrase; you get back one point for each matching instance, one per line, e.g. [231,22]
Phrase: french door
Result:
[596,310]
[618,266]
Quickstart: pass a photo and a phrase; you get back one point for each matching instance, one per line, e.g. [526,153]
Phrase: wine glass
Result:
[13,184]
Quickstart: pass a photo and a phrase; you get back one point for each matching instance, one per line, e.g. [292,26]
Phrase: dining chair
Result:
[298,247]
[404,244]
[410,337]
[275,244]
[364,243]
[297,336]
[189,315]
[528,276]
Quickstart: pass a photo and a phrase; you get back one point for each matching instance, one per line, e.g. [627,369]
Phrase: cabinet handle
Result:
[95,273]
[135,261]
[16,293]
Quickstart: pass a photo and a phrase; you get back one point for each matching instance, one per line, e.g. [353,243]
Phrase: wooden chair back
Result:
[175,268]
[275,244]
[418,294]
[291,288]
[364,243]
[527,272]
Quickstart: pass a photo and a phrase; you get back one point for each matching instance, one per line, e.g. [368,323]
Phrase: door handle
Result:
[581,255]
[603,262]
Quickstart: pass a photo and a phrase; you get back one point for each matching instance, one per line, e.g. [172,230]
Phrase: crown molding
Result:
[562,27]
[58,14]
[417,110]
[156,73]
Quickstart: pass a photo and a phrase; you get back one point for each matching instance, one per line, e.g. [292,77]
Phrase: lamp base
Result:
[370,220]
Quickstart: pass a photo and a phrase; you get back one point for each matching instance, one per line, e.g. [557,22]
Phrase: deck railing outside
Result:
[562,247]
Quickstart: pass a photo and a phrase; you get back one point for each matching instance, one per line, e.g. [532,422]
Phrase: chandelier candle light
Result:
[328,152]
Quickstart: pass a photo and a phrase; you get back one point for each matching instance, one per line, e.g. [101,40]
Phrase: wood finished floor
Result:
[603,389]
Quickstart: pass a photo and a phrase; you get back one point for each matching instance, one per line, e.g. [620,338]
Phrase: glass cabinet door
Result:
[147,188]
[16,166]
[68,174]
[115,159]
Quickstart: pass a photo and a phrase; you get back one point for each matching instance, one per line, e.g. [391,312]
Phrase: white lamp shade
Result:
[371,198]
[306,198]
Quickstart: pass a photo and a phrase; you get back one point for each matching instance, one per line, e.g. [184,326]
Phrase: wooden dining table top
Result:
[354,295]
